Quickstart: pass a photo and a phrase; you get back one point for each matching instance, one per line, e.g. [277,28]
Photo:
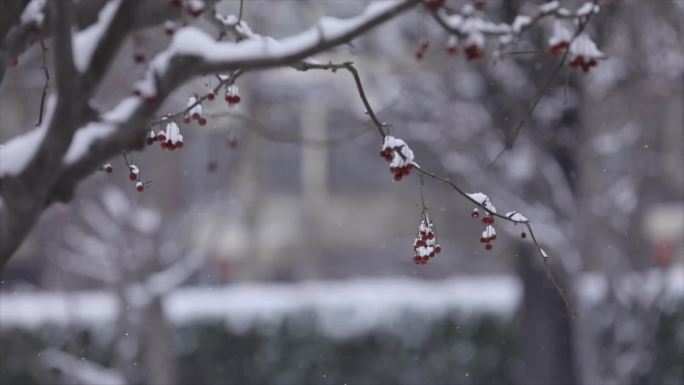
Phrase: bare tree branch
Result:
[46,73]
[46,178]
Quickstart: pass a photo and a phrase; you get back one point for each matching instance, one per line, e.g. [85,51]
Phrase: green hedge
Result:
[454,349]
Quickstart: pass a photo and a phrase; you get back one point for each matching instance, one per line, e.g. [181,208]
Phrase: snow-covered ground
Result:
[341,308]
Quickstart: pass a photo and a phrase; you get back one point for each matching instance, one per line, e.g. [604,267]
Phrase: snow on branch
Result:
[79,370]
[34,13]
[87,40]
[265,52]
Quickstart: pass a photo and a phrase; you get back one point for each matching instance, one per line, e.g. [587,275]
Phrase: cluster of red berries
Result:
[170,139]
[558,48]
[584,53]
[399,155]
[585,64]
[433,5]
[193,7]
[489,234]
[473,46]
[134,176]
[194,111]
[425,245]
[232,97]
[422,48]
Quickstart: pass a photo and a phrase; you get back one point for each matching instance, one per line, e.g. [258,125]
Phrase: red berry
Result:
[417,259]
[419,55]
[162,145]
[132,176]
[140,188]
[169,31]
[475,214]
[488,246]
[186,119]
[523,235]
[179,145]
[492,238]
[425,259]
[438,249]
[161,137]
[137,92]
[211,95]
[175,3]
[109,169]
[202,121]
[151,99]
[488,220]
[430,236]
[483,240]
[473,52]
[558,48]
[397,177]
[433,5]
[139,57]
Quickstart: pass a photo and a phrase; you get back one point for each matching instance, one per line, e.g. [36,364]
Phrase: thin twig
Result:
[222,83]
[423,172]
[46,72]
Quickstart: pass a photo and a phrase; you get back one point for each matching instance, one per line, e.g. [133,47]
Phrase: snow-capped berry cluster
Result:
[107,167]
[474,45]
[232,97]
[170,139]
[194,111]
[134,176]
[560,38]
[400,156]
[489,233]
[170,27]
[584,53]
[425,245]
[516,217]
[452,45]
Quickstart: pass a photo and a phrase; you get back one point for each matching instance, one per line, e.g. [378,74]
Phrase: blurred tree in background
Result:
[567,112]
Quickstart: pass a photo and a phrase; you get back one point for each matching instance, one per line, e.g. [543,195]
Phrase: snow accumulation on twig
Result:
[85,42]
[191,41]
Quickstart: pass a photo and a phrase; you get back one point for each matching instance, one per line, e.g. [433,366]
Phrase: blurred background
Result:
[276,248]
